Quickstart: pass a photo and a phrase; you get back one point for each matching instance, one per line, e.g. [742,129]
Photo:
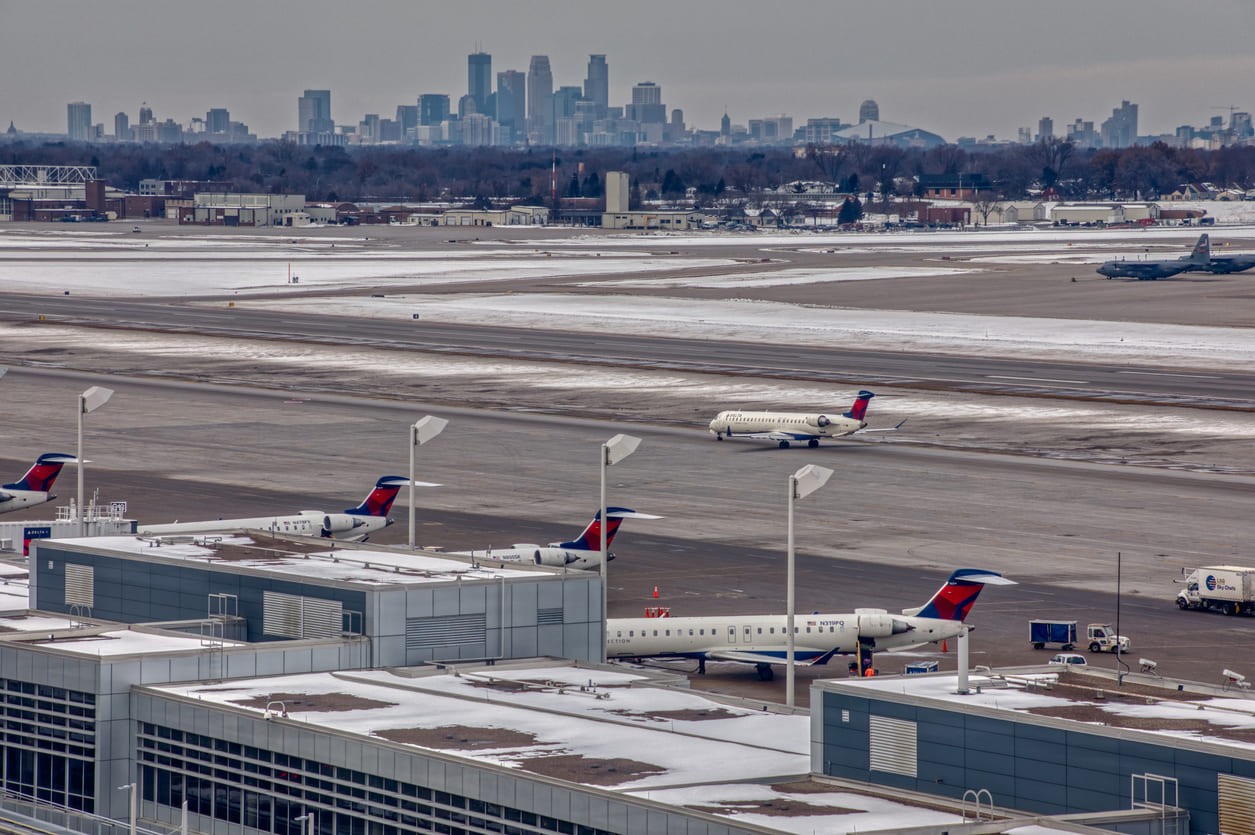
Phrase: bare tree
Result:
[986,204]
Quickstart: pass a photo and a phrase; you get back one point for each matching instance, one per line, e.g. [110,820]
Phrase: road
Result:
[1230,390]
[884,533]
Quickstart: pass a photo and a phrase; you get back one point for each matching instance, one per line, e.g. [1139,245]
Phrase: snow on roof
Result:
[282,556]
[656,737]
[1137,708]
[129,642]
[33,623]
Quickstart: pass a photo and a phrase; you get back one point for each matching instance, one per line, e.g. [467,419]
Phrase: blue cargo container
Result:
[1042,633]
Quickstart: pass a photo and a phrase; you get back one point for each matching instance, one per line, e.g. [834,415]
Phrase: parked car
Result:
[1068,659]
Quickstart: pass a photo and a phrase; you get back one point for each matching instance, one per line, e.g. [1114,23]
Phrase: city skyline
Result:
[952,71]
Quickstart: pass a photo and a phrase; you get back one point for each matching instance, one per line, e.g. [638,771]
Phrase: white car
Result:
[1068,659]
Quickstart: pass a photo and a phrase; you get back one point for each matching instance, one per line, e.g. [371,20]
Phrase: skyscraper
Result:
[511,104]
[647,106]
[217,120]
[868,111]
[407,119]
[145,114]
[539,101]
[479,79]
[1120,131]
[122,127]
[1045,128]
[433,108]
[597,84]
[78,118]
[314,112]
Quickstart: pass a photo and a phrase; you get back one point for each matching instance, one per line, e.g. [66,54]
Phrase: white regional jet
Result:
[786,427]
[36,486]
[354,524]
[582,552]
[762,640]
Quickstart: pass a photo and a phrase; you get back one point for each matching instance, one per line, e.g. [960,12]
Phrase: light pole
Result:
[88,401]
[134,800]
[307,822]
[420,433]
[612,452]
[801,484]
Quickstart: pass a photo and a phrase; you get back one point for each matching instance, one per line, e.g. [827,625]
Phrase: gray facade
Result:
[266,773]
[407,619]
[1034,763]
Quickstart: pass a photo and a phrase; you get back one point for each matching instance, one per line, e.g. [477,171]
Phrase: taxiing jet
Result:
[1153,269]
[1223,264]
[786,427]
[36,486]
[762,640]
[582,552]
[354,524]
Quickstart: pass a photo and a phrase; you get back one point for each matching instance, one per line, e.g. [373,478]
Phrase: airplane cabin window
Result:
[668,633]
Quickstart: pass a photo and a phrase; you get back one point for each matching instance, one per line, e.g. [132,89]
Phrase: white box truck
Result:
[1226,588]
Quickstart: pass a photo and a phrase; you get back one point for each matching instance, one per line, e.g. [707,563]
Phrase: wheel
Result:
[784,444]
[1067,647]
[765,673]
[1094,647]
[1182,603]
[718,437]
[1230,609]
[812,443]
[1038,645]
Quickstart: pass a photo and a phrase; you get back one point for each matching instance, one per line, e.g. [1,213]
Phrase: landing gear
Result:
[701,666]
[812,443]
[784,444]
[718,437]
[765,673]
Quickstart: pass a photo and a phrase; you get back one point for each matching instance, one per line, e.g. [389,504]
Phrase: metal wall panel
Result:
[892,745]
[1237,804]
[80,585]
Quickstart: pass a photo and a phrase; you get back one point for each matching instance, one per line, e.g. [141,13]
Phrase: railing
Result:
[21,808]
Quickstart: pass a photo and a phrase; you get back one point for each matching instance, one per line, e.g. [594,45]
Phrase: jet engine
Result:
[818,420]
[877,623]
[333,523]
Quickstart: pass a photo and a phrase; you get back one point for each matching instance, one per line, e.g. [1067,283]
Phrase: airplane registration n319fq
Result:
[786,427]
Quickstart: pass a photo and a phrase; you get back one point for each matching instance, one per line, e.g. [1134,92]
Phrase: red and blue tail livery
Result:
[859,410]
[36,486]
[954,600]
[379,501]
[583,552]
[590,539]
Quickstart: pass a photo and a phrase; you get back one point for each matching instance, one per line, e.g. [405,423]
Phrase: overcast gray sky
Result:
[954,67]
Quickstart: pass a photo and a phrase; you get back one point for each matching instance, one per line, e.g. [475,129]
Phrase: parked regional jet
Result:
[36,486]
[1223,264]
[762,640]
[1198,260]
[786,427]
[582,552]
[358,522]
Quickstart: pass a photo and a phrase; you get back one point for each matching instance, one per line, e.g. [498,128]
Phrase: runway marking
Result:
[1037,379]
[1168,374]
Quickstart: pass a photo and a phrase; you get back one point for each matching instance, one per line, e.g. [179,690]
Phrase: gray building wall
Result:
[1031,763]
[465,785]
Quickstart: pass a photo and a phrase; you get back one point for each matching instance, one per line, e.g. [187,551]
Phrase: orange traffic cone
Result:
[943,646]
[655,591]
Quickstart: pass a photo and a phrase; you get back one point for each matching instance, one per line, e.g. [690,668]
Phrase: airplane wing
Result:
[777,435]
[888,429]
[803,658]
[4,497]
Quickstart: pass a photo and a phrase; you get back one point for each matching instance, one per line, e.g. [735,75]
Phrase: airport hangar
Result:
[89,708]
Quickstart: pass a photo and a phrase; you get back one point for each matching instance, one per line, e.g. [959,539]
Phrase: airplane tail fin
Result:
[954,600]
[1201,253]
[379,501]
[859,409]
[45,471]
[590,539]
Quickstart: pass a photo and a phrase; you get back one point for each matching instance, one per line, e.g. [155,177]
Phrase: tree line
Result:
[699,176]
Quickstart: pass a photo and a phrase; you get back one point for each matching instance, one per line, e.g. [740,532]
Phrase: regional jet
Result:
[582,552]
[36,486]
[354,524]
[786,427]
[762,640]
[1198,260]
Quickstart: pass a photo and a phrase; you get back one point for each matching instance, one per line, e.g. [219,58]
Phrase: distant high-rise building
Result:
[122,127]
[511,104]
[540,100]
[597,84]
[1120,131]
[145,114]
[564,99]
[407,119]
[479,79]
[647,106]
[868,111]
[314,112]
[217,120]
[433,108]
[1240,124]
[1082,134]
[1045,128]
[618,196]
[78,119]
[725,125]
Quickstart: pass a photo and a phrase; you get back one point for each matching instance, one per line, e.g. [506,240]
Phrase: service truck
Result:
[1102,638]
[1226,588]
[1099,637]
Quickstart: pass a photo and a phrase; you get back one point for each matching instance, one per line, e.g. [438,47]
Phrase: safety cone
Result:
[655,592]
[943,645]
